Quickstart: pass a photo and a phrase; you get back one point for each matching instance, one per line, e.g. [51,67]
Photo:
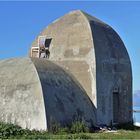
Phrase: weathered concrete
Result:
[87,57]
[113,74]
[95,55]
[21,100]
[72,48]
[37,94]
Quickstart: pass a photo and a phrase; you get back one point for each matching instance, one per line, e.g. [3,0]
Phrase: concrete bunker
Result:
[88,74]
[98,59]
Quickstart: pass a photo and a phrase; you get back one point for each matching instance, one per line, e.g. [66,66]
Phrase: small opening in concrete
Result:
[115,107]
[44,45]
[48,42]
[47,46]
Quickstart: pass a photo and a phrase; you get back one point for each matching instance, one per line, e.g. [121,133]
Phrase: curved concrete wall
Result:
[65,100]
[38,94]
[96,56]
[113,73]
[72,48]
[21,100]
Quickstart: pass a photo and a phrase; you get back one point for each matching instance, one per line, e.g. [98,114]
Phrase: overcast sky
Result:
[20,23]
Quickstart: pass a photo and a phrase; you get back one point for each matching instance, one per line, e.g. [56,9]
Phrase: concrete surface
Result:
[96,56]
[21,98]
[38,94]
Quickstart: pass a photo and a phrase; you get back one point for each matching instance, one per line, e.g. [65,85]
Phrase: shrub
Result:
[8,130]
[13,131]
[79,127]
[57,129]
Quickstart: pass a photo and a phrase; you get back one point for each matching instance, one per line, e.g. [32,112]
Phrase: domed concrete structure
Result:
[82,71]
[37,94]
[96,56]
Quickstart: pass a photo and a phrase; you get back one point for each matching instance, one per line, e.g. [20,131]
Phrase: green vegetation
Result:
[78,130]
[79,127]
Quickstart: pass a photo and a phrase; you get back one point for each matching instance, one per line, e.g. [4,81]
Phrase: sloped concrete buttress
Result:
[21,100]
[65,100]
[38,94]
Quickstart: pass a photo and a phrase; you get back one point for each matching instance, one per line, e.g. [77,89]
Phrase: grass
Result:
[76,131]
